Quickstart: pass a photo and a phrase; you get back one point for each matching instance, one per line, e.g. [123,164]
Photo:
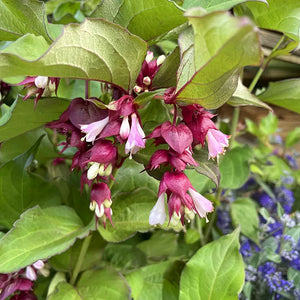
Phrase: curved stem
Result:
[84,248]
[175,114]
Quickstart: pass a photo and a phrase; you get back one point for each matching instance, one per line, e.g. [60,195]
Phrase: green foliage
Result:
[285,94]
[147,19]
[41,233]
[70,56]
[18,190]
[234,167]
[25,118]
[216,271]
[203,77]
[244,213]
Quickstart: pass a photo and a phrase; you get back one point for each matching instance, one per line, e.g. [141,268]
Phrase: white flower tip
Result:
[158,212]
[38,264]
[93,171]
[149,56]
[30,273]
[160,59]
[99,211]
[41,82]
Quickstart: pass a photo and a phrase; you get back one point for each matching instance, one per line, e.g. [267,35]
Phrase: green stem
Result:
[200,231]
[234,124]
[236,112]
[84,248]
[87,89]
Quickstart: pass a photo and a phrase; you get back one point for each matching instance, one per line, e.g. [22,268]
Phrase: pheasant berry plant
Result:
[113,162]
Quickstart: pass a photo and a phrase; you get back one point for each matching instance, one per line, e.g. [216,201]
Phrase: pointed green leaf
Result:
[6,112]
[216,271]
[215,5]
[19,17]
[244,213]
[242,97]
[102,285]
[95,49]
[147,19]
[39,234]
[212,55]
[285,94]
[25,117]
[279,15]
[18,188]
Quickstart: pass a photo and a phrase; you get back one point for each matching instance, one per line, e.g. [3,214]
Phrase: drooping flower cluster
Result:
[96,129]
[19,285]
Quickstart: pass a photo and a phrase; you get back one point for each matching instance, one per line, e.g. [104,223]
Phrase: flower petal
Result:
[158,212]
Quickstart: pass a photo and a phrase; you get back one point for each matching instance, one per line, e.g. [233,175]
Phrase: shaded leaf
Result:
[285,94]
[102,285]
[18,190]
[25,118]
[115,55]
[147,19]
[242,96]
[216,271]
[234,167]
[6,112]
[212,55]
[166,74]
[244,213]
[39,234]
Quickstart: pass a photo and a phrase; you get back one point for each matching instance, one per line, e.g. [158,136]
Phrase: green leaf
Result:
[216,271]
[166,74]
[244,213]
[242,96]
[67,8]
[18,188]
[16,146]
[6,112]
[200,182]
[147,19]
[293,137]
[212,55]
[146,97]
[65,291]
[215,5]
[115,54]
[102,285]
[279,15]
[39,234]
[147,282]
[268,125]
[285,94]
[66,261]
[234,167]
[208,168]
[19,17]
[161,244]
[25,118]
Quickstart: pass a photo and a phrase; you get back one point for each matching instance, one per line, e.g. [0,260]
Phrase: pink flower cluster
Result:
[96,129]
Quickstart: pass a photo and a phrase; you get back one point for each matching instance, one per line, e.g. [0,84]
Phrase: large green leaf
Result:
[244,213]
[212,55]
[216,271]
[284,94]
[95,49]
[145,18]
[18,188]
[18,17]
[279,15]
[24,118]
[39,234]
[147,282]
[234,168]
[102,285]
[214,5]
